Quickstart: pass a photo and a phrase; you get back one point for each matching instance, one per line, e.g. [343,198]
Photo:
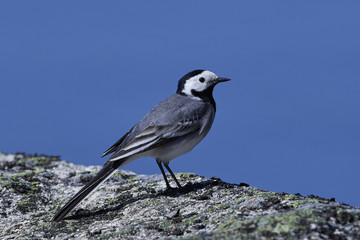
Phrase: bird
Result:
[173,127]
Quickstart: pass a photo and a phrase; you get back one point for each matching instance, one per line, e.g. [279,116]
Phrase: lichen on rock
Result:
[131,206]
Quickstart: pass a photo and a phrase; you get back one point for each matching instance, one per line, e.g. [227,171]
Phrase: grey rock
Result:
[131,206]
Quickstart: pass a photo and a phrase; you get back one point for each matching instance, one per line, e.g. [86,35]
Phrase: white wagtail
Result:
[173,127]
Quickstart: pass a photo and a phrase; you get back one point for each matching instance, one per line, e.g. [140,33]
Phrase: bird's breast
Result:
[186,143]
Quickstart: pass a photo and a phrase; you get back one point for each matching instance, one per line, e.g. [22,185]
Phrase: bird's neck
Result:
[206,96]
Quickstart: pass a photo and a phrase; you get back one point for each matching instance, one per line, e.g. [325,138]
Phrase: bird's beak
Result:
[221,79]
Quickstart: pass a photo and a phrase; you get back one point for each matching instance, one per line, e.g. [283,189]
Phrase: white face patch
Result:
[194,83]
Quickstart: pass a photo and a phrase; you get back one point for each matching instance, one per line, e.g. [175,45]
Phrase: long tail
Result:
[95,182]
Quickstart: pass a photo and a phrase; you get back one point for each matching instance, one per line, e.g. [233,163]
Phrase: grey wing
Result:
[155,136]
[172,118]
[116,145]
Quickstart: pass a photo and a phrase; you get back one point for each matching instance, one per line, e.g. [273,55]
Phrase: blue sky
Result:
[76,75]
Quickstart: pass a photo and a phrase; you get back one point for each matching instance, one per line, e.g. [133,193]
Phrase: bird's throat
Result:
[206,95]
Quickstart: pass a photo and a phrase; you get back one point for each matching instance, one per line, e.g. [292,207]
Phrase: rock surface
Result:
[130,206]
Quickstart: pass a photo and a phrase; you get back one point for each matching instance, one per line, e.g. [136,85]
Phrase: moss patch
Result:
[38,161]
[185,176]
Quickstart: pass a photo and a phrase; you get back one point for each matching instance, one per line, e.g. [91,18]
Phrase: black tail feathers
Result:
[104,174]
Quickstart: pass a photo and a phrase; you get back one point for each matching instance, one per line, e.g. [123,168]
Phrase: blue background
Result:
[76,75]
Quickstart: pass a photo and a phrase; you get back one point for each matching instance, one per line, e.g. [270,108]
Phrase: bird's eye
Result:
[202,79]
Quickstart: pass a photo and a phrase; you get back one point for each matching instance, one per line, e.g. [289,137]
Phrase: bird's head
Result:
[199,82]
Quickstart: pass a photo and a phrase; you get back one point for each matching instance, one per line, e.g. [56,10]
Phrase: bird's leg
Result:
[172,174]
[163,173]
